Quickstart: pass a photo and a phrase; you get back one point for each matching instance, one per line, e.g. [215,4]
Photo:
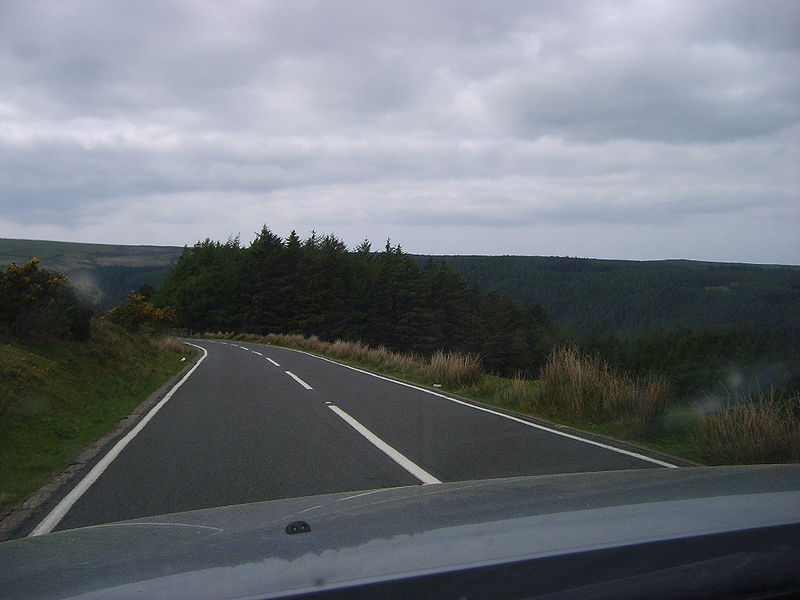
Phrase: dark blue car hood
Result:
[360,538]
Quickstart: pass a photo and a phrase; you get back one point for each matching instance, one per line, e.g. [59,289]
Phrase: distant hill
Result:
[106,272]
[630,296]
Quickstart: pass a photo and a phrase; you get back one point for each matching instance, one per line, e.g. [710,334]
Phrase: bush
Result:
[136,314]
[36,302]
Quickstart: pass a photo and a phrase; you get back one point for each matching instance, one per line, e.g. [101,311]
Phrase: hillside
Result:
[57,396]
[106,272]
[630,296]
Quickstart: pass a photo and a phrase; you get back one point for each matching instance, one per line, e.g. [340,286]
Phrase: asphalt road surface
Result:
[256,422]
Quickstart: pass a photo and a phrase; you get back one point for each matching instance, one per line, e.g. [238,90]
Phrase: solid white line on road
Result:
[298,380]
[499,414]
[272,361]
[400,459]
[54,518]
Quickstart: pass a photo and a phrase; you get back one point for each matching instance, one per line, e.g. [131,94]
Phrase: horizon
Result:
[439,255]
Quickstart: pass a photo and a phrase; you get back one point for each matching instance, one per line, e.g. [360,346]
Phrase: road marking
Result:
[298,380]
[244,348]
[396,456]
[255,352]
[272,361]
[54,518]
[499,414]
[308,509]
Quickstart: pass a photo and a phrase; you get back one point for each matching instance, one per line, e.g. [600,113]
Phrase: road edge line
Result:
[55,516]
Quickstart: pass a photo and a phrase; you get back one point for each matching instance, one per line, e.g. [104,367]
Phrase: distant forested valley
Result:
[707,326]
[632,297]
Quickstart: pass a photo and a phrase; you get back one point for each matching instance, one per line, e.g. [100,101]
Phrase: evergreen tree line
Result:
[318,286]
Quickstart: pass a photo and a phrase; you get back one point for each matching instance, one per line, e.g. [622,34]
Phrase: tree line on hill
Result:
[318,286]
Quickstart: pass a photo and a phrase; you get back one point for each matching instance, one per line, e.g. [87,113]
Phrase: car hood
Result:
[357,538]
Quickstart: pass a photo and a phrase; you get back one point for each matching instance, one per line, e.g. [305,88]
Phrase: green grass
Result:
[59,397]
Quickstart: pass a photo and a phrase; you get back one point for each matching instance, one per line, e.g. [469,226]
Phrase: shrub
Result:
[36,302]
[136,314]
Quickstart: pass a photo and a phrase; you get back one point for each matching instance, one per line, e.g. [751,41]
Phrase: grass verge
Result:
[60,396]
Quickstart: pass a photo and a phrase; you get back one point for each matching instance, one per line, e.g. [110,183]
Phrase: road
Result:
[256,422]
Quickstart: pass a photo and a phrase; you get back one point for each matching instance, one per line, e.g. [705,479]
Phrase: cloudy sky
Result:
[619,129]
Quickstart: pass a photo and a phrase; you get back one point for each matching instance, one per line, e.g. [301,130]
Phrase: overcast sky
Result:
[642,130]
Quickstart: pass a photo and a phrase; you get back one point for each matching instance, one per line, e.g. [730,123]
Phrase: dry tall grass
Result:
[166,343]
[454,369]
[763,428]
[587,387]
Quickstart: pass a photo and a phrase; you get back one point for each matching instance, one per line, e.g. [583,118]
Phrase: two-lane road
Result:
[256,422]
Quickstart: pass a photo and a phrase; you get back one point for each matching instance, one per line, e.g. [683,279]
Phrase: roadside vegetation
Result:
[759,428]
[586,387]
[68,376]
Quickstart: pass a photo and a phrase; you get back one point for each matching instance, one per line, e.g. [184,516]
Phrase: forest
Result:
[709,327]
[630,297]
[318,286]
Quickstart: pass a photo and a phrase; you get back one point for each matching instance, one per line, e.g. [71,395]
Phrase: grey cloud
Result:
[494,115]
